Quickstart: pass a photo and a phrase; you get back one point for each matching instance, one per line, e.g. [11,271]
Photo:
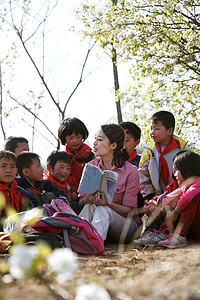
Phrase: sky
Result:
[93,102]
[64,53]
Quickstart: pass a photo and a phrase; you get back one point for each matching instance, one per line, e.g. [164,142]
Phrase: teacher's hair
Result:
[115,134]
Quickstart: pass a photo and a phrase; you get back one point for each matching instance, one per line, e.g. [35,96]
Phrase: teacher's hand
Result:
[100,199]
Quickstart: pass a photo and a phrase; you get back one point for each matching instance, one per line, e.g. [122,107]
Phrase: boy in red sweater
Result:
[11,195]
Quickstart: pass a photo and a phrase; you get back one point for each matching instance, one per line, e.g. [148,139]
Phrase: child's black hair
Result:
[70,125]
[11,142]
[165,117]
[8,155]
[115,133]
[132,128]
[25,160]
[58,155]
[188,163]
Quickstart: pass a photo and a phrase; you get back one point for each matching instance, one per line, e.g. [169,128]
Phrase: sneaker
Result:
[154,240]
[174,242]
[146,235]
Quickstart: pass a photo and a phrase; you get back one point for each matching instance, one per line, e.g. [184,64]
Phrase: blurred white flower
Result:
[7,278]
[92,292]
[32,215]
[21,261]
[64,263]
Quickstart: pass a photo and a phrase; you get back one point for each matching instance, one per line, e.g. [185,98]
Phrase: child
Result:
[58,166]
[110,219]
[182,206]
[40,191]
[132,139]
[155,167]
[13,195]
[16,144]
[72,133]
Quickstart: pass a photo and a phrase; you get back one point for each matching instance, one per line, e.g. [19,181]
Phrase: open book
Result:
[94,179]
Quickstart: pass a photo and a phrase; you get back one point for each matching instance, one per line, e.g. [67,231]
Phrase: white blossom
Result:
[33,214]
[92,292]
[21,261]
[63,263]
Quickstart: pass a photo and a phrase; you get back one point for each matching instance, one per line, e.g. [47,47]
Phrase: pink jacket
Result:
[184,195]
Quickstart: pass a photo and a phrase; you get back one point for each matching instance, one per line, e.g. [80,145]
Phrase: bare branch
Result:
[39,133]
[27,109]
[80,79]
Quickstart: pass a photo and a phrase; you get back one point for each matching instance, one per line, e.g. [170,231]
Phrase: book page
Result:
[90,180]
[109,183]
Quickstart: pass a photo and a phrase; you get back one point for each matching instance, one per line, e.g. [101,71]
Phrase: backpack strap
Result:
[65,227]
[66,239]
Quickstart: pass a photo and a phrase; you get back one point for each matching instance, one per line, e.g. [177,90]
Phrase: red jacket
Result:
[79,159]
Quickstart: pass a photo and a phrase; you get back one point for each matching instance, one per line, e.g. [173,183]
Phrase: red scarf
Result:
[76,167]
[133,155]
[12,190]
[62,186]
[35,191]
[163,167]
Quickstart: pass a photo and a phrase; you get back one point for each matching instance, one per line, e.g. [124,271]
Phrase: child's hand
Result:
[74,196]
[69,198]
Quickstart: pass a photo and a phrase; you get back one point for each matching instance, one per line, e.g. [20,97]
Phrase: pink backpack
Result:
[57,205]
[74,232]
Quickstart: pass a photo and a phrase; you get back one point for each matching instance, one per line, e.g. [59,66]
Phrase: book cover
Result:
[94,179]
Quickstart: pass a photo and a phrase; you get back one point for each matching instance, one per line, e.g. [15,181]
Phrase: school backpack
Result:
[74,232]
[57,205]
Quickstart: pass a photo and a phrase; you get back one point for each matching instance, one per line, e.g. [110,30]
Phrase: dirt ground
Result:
[131,272]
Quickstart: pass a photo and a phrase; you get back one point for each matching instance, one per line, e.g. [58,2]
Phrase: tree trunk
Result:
[1,105]
[116,82]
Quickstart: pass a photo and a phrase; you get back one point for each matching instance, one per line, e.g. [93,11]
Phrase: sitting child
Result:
[155,167]
[40,191]
[182,206]
[72,132]
[155,212]
[132,139]
[11,195]
[16,144]
[58,166]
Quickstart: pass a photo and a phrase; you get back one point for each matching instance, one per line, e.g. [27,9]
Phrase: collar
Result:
[183,143]
[36,187]
[114,168]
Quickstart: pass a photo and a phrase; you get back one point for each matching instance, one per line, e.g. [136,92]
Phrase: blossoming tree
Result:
[161,41]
